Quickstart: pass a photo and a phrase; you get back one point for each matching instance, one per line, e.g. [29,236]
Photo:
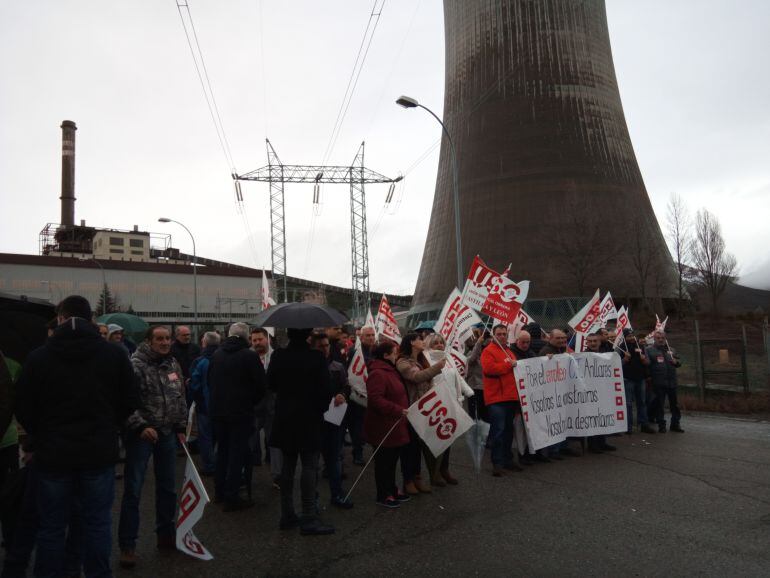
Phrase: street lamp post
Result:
[408,102]
[195,273]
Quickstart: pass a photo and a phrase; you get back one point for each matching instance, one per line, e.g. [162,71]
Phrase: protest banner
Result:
[607,309]
[357,375]
[385,324]
[660,325]
[589,316]
[438,419]
[456,320]
[574,395]
[493,294]
[192,501]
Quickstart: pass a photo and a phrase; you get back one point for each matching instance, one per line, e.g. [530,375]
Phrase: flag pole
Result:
[371,458]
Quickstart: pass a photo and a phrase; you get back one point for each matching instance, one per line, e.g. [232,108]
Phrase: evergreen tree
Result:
[106,298]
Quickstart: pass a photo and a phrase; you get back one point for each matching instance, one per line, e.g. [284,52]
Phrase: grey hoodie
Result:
[161,391]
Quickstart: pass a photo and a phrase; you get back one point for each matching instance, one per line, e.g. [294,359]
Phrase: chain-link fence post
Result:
[766,339]
[699,377]
[744,362]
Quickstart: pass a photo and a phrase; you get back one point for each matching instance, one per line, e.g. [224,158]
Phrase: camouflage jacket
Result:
[161,391]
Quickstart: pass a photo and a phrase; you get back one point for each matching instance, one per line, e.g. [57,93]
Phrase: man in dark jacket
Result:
[237,382]
[200,393]
[300,377]
[663,365]
[635,363]
[536,336]
[556,345]
[74,394]
[183,350]
[332,434]
[153,431]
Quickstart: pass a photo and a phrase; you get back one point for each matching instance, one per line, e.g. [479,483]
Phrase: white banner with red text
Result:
[571,395]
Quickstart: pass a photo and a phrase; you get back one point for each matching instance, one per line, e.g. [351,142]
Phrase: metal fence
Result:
[724,356]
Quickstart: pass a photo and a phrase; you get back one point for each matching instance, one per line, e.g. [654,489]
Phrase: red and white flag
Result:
[623,322]
[192,501]
[357,375]
[607,309]
[493,294]
[456,320]
[386,325]
[522,319]
[660,325]
[267,301]
[438,419]
[588,317]
[581,342]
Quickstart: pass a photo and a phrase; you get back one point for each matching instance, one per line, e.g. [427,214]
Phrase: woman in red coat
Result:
[387,404]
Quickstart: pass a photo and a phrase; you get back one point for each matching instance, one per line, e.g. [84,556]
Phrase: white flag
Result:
[370,321]
[456,320]
[438,419]
[386,324]
[660,325]
[192,501]
[623,322]
[265,292]
[607,309]
[588,316]
[522,319]
[357,375]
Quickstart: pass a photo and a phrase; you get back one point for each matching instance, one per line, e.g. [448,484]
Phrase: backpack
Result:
[199,384]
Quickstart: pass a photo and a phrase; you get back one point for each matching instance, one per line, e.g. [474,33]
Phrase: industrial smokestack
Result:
[68,129]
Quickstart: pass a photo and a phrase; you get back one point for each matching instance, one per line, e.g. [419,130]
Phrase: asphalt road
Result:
[662,505]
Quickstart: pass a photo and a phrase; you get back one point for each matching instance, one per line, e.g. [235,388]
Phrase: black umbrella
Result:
[300,316]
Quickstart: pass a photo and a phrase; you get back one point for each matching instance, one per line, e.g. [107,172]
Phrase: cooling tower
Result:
[548,179]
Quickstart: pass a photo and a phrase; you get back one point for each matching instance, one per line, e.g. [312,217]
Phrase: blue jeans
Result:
[635,391]
[206,444]
[138,453]
[501,432]
[332,451]
[94,490]
[19,549]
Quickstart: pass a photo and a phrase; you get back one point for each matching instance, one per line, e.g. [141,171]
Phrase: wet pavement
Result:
[662,505]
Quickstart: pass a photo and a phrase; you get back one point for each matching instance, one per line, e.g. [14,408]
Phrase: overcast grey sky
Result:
[693,79]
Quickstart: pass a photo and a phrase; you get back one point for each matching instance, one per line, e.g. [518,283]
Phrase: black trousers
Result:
[385,461]
[232,455]
[658,403]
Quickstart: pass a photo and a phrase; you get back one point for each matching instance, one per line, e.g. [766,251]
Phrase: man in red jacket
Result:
[501,398]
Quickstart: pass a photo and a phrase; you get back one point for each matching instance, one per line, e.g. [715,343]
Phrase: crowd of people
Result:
[89,394]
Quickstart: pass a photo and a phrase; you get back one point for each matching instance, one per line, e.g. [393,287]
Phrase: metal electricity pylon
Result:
[356,175]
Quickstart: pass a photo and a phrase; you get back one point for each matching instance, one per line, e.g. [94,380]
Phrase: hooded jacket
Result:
[74,393]
[161,392]
[236,379]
